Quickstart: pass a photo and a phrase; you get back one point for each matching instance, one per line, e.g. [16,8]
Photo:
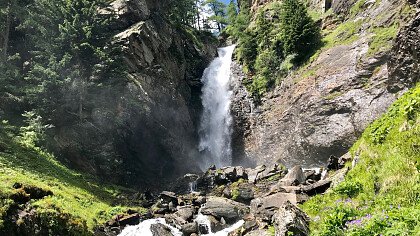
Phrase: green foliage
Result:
[299,34]
[70,54]
[380,195]
[382,39]
[79,202]
[281,37]
[349,189]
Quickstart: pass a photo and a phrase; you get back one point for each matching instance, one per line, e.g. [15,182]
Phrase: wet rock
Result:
[317,188]
[294,177]
[160,230]
[290,220]
[189,228]
[230,210]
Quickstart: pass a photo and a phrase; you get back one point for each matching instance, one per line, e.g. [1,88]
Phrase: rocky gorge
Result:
[128,160]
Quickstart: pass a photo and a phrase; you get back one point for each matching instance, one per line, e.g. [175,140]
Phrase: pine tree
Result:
[218,13]
[299,34]
[69,55]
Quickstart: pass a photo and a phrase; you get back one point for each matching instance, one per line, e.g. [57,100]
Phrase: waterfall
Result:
[216,121]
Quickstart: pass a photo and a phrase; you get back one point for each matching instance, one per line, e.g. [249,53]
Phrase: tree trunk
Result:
[198,15]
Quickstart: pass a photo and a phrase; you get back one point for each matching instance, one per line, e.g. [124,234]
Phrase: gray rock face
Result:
[291,220]
[230,210]
[140,130]
[404,65]
[312,116]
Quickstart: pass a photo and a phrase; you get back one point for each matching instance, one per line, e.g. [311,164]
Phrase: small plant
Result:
[349,188]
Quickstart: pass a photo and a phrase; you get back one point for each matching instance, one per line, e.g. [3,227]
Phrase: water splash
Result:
[216,121]
[143,229]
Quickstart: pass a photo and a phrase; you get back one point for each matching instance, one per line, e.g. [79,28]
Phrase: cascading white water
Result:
[143,229]
[215,128]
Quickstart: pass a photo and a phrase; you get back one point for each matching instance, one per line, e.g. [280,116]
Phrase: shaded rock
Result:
[291,220]
[294,177]
[404,63]
[333,163]
[160,230]
[186,213]
[317,188]
[242,193]
[190,228]
[230,210]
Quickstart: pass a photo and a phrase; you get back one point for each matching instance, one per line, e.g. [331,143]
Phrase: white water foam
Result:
[216,121]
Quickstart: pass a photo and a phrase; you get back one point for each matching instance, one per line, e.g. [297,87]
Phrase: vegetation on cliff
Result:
[76,203]
[381,193]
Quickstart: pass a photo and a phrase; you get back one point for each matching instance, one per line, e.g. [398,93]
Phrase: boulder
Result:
[242,193]
[253,173]
[160,230]
[290,220]
[317,188]
[190,228]
[186,213]
[220,207]
[265,207]
[294,177]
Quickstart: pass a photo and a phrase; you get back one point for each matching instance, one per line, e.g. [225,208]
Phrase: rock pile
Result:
[265,198]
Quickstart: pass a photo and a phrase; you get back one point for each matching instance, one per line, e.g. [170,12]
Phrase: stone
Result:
[186,213]
[294,177]
[190,228]
[290,220]
[220,207]
[160,230]
[317,188]
[253,173]
[242,193]
[404,69]
[265,207]
[333,163]
[338,177]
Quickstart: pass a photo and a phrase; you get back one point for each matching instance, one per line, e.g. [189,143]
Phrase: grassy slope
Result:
[381,195]
[80,197]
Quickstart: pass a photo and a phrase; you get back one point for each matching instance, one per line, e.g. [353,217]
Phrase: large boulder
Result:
[290,220]
[294,177]
[229,210]
[265,207]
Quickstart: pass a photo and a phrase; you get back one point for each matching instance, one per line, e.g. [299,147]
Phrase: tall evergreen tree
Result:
[69,38]
[299,34]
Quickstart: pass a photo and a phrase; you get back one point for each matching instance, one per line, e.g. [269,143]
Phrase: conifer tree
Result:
[299,34]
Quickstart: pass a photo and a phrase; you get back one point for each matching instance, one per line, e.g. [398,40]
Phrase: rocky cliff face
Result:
[143,128]
[322,109]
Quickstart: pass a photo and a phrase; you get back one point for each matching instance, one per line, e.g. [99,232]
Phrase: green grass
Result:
[381,195]
[382,39]
[85,201]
